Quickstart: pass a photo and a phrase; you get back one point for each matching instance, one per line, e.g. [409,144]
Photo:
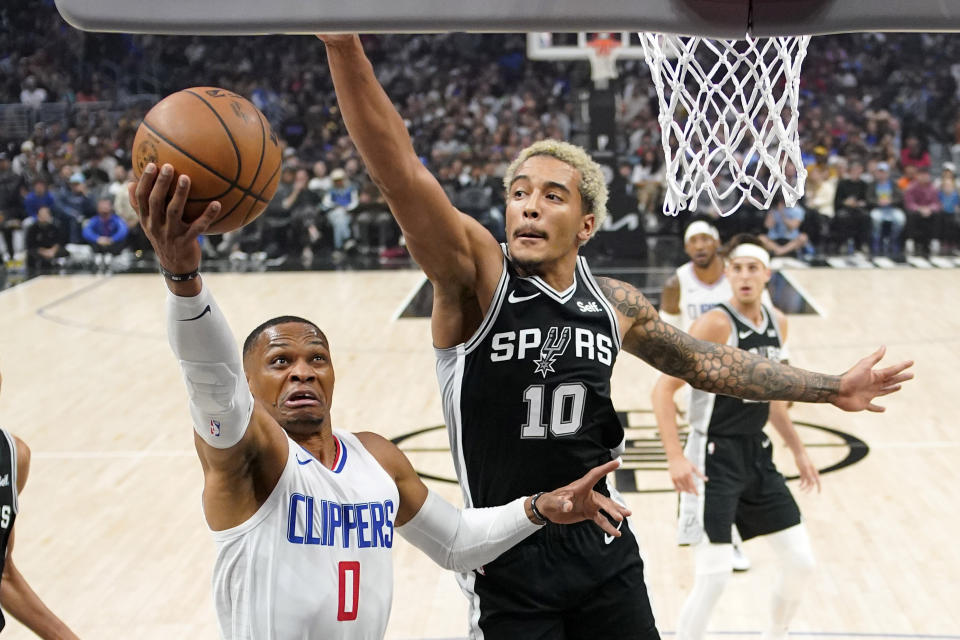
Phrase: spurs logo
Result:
[553,347]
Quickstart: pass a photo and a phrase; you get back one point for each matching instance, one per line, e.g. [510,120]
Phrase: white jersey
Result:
[315,560]
[697,297]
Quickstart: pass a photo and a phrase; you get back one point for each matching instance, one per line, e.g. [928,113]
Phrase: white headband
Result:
[698,227]
[748,250]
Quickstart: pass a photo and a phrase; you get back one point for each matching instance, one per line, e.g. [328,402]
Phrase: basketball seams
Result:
[233,195]
[253,180]
[232,185]
[226,129]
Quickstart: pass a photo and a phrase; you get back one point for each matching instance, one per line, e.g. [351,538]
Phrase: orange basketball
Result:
[222,142]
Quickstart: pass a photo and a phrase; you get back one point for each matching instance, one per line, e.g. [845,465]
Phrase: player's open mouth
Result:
[302,398]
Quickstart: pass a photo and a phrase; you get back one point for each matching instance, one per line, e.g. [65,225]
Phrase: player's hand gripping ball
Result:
[223,143]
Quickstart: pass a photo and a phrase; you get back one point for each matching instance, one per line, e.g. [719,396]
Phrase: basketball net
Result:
[728,119]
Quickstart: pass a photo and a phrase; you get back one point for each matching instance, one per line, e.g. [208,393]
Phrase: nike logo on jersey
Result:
[765,443]
[607,538]
[514,298]
[744,334]
[205,311]
[307,461]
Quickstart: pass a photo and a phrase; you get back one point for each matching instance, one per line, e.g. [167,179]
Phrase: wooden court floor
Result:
[111,535]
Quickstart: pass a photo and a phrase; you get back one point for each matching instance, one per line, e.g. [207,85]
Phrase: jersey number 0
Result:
[349,591]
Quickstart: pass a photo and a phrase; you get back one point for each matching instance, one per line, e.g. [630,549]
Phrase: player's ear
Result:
[589,221]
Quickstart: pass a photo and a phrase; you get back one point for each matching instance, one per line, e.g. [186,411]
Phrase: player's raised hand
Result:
[861,384]
[578,501]
[159,204]
[684,474]
[334,39]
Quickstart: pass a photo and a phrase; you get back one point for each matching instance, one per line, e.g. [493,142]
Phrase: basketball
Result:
[224,144]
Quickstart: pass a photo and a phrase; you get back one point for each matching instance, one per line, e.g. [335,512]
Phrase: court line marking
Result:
[803,293]
[44,312]
[409,297]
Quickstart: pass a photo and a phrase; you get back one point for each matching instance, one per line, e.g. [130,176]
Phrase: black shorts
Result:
[744,487]
[564,583]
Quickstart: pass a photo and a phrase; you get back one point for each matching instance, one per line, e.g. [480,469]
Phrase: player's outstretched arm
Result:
[718,368]
[239,445]
[16,595]
[445,243]
[464,539]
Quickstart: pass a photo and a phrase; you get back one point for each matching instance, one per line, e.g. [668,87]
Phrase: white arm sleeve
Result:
[466,539]
[220,400]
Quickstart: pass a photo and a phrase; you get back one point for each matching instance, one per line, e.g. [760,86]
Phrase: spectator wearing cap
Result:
[75,203]
[922,202]
[12,190]
[339,201]
[106,232]
[887,221]
[28,163]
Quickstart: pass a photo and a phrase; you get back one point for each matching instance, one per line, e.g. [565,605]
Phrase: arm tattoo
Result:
[712,367]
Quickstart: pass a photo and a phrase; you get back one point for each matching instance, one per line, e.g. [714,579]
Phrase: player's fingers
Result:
[900,377]
[875,408]
[896,371]
[604,524]
[888,390]
[141,192]
[593,476]
[158,194]
[207,218]
[608,505]
[876,356]
[178,200]
[700,474]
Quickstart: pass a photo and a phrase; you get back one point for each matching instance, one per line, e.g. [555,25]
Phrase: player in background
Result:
[725,473]
[694,288]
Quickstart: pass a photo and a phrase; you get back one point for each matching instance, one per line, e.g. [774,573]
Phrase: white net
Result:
[728,119]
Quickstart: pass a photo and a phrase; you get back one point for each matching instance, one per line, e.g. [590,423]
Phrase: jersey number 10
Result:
[566,410]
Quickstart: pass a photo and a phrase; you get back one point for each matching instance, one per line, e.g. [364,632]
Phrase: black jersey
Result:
[8,497]
[725,415]
[527,398]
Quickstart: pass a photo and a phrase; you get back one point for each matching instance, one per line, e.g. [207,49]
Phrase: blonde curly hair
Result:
[593,185]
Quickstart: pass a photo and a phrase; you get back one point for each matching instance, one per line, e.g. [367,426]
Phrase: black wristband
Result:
[536,512]
[180,277]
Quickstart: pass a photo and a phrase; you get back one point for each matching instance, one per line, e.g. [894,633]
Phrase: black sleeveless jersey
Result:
[527,398]
[8,497]
[721,415]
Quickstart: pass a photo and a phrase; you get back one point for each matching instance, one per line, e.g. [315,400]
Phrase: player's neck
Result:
[558,274]
[752,311]
[322,445]
[711,273]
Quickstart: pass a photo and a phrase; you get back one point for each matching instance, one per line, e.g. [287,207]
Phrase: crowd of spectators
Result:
[879,131]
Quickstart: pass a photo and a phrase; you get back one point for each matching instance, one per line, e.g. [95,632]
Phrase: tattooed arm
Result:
[730,371]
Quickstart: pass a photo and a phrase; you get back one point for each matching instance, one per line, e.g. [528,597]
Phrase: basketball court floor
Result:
[110,531]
